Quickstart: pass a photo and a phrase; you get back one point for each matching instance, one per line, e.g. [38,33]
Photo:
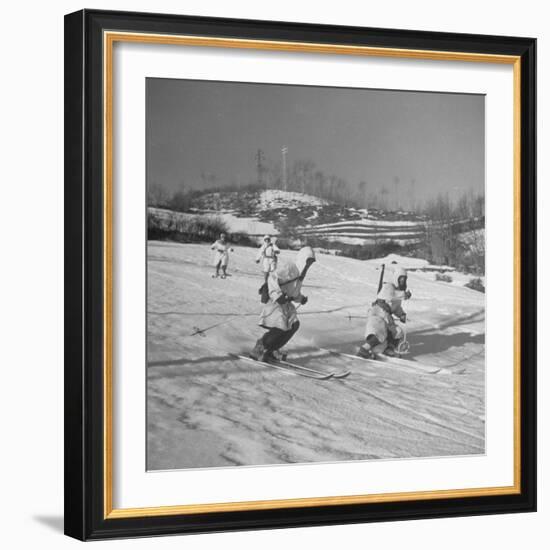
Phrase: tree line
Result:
[454,235]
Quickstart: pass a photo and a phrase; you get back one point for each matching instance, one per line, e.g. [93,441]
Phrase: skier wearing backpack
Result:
[279,314]
[267,256]
[221,255]
[382,335]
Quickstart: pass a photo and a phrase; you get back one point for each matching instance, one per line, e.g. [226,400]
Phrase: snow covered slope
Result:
[255,200]
[207,409]
[369,231]
[277,198]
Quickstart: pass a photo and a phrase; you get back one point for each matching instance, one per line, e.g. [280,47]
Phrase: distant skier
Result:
[279,314]
[382,335]
[267,255]
[221,255]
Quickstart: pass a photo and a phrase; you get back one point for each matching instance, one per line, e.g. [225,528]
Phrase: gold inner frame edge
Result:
[109,39]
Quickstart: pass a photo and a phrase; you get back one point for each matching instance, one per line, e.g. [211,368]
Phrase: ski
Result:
[295,369]
[342,374]
[389,361]
[409,364]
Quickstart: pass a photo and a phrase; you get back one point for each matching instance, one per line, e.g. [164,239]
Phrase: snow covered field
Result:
[206,409]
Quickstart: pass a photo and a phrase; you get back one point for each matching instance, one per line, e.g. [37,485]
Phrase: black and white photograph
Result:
[315,274]
[270,275]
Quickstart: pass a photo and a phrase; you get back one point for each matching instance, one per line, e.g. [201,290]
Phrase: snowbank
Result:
[252,226]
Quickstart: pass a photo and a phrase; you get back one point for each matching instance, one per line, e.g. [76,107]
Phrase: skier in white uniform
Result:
[221,255]
[267,256]
[279,314]
[382,335]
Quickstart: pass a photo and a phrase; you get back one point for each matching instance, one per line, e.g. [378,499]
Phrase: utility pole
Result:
[284,151]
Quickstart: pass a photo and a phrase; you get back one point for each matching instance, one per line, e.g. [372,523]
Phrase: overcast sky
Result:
[215,128]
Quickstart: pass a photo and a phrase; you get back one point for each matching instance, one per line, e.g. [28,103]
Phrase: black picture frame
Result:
[84,282]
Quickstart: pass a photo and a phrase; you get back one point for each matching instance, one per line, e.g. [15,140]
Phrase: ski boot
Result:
[365,351]
[390,352]
[259,353]
[279,354]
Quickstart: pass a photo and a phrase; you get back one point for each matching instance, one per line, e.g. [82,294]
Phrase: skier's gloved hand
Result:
[403,318]
[408,294]
[303,300]
[283,299]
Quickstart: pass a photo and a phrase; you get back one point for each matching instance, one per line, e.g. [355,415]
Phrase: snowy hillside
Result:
[456,239]
[242,212]
[368,231]
[277,198]
[208,409]
[264,212]
[255,200]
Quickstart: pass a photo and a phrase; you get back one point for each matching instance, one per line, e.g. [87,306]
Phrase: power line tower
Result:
[284,151]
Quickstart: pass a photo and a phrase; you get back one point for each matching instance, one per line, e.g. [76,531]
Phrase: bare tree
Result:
[362,188]
[303,175]
[333,183]
[260,157]
[383,200]
[156,195]
[396,184]
[320,183]
[412,195]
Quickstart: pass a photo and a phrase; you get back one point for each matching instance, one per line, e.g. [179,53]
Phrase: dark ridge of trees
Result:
[190,229]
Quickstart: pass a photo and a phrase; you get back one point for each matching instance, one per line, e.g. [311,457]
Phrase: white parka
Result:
[285,280]
[267,256]
[391,294]
[221,252]
[380,322]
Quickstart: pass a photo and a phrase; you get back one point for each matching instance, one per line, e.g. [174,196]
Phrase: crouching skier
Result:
[279,314]
[382,335]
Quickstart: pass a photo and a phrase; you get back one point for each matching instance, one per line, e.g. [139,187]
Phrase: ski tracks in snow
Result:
[205,409]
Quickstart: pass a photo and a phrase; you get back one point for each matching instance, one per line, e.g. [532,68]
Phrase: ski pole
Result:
[381,281]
